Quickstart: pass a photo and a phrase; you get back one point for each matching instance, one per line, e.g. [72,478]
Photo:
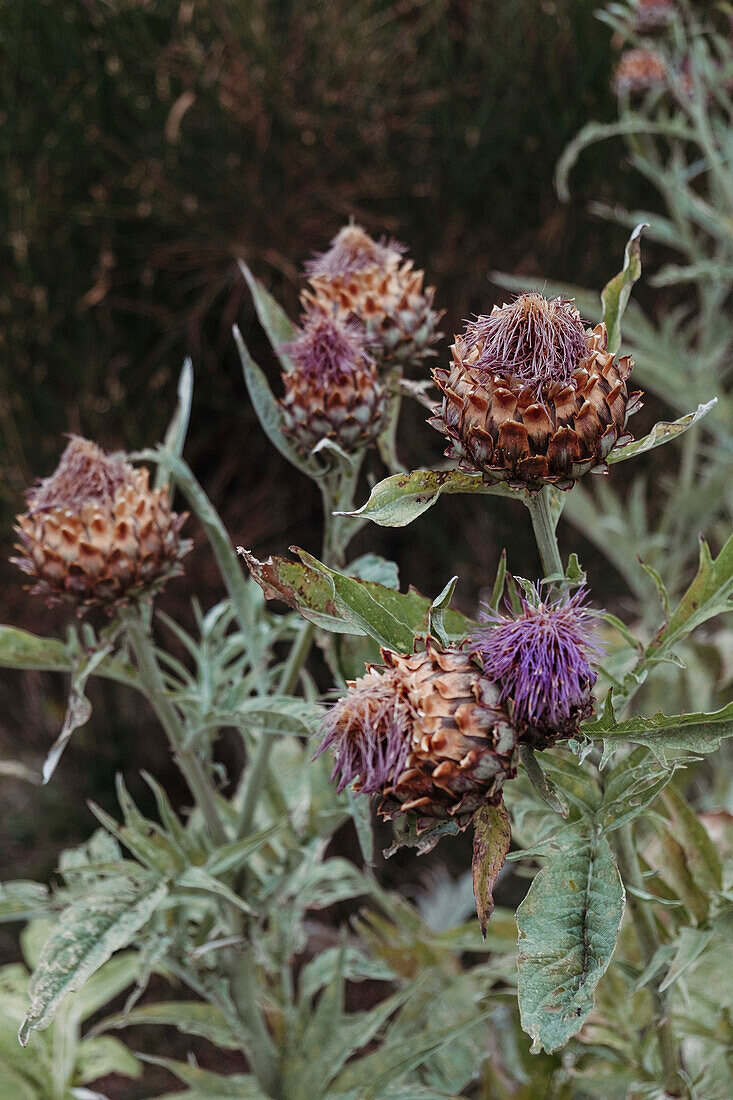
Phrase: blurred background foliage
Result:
[145,146]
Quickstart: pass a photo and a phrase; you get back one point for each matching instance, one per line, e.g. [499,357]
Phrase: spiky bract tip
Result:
[544,662]
[328,349]
[85,473]
[369,732]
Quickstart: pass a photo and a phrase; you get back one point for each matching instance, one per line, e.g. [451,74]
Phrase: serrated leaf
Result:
[200,881]
[695,733]
[273,318]
[401,498]
[568,924]
[269,412]
[662,432]
[89,931]
[615,294]
[710,594]
[311,588]
[691,943]
[491,839]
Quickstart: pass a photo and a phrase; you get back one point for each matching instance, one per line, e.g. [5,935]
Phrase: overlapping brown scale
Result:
[393,305]
[103,552]
[505,429]
[463,745]
[348,410]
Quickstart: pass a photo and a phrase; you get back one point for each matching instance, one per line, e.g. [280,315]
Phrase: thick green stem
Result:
[544,524]
[646,934]
[154,688]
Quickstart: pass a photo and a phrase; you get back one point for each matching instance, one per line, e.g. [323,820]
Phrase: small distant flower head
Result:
[538,339]
[353,250]
[649,15]
[638,71]
[328,349]
[369,731]
[544,662]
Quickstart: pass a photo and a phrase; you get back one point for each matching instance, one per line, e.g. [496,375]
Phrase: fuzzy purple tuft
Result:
[539,340]
[543,661]
[353,250]
[369,733]
[327,349]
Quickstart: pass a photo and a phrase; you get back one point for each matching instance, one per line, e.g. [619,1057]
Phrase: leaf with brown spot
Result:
[491,839]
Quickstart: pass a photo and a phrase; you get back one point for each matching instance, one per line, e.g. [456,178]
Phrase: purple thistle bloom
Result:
[327,349]
[369,730]
[544,662]
[539,340]
[353,250]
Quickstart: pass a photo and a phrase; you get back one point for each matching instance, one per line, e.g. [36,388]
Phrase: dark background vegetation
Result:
[145,146]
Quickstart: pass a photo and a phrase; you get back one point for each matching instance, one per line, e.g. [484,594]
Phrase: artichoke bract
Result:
[371,282]
[532,397]
[95,533]
[428,732]
[333,391]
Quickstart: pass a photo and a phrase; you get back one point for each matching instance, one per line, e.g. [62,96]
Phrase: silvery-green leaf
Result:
[401,498]
[709,594]
[189,1017]
[269,412]
[615,294]
[661,433]
[100,1057]
[437,608]
[21,900]
[568,924]
[20,649]
[695,733]
[273,318]
[78,708]
[89,931]
[175,437]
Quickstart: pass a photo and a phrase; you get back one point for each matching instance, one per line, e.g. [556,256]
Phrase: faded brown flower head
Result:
[638,71]
[333,391]
[368,280]
[95,533]
[428,732]
[533,397]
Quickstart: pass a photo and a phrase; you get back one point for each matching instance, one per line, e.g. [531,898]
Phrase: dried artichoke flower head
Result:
[333,391]
[428,732]
[95,533]
[532,397]
[371,282]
